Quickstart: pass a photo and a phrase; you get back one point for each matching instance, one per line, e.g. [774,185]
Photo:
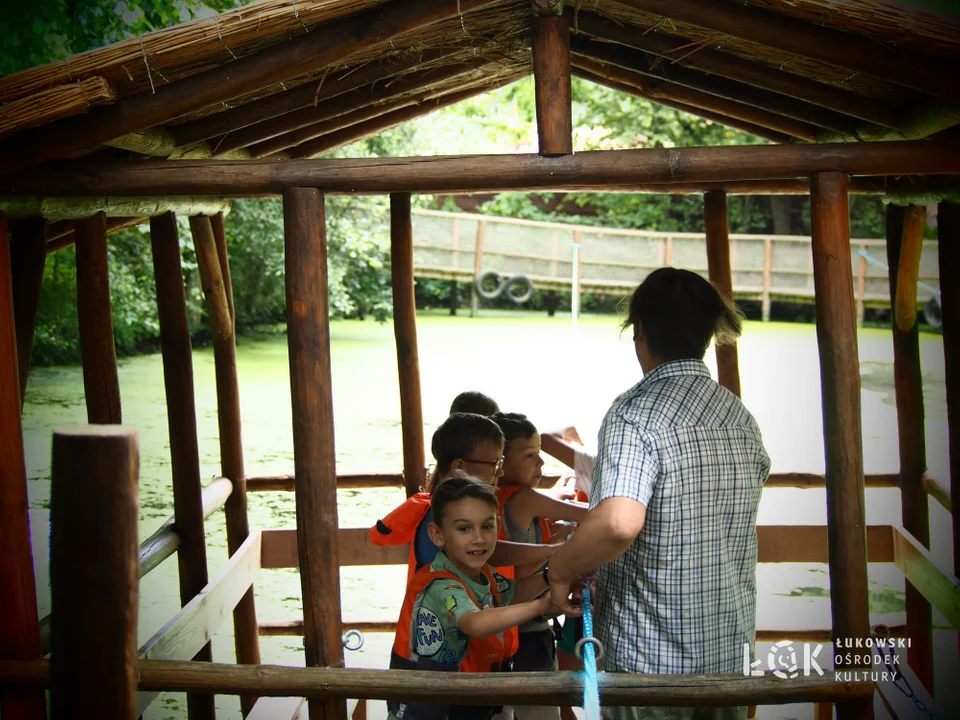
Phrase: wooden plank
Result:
[276,708]
[331,42]
[405,334]
[557,688]
[19,625]
[903,248]
[194,626]
[101,384]
[817,42]
[840,382]
[28,253]
[478,173]
[938,586]
[94,573]
[551,72]
[280,549]
[718,262]
[177,356]
[308,335]
[221,319]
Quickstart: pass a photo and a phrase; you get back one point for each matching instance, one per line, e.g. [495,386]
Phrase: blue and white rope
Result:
[591,690]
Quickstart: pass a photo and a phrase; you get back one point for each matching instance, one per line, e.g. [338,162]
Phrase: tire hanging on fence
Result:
[519,289]
[482,278]
[931,312]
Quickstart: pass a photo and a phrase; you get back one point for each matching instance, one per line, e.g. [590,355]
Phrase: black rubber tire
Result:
[931,312]
[485,275]
[519,289]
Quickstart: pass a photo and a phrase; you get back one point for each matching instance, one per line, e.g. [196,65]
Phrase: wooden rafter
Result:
[936,76]
[745,71]
[771,102]
[659,89]
[331,42]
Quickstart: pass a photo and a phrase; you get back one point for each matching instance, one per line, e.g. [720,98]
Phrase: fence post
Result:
[575,279]
[767,268]
[477,266]
[861,285]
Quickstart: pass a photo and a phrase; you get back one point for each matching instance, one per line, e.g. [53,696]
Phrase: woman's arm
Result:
[484,623]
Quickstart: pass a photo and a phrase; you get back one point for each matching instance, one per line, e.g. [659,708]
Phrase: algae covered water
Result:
[554,372]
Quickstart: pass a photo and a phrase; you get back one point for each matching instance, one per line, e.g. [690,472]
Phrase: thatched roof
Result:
[300,77]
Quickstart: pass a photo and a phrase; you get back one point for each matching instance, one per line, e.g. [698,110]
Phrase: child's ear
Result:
[456,465]
[436,534]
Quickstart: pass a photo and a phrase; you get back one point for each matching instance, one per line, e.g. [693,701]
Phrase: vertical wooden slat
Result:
[840,381]
[220,235]
[910,249]
[405,333]
[101,383]
[308,335]
[94,572]
[948,235]
[182,420]
[551,71]
[915,509]
[28,253]
[718,264]
[214,283]
[767,273]
[19,623]
[477,267]
[861,285]
[576,275]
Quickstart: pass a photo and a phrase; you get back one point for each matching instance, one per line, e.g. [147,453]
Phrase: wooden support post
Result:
[840,380]
[101,383]
[910,248]
[454,299]
[767,277]
[314,459]
[220,235]
[19,623]
[861,286]
[94,571]
[477,267]
[405,332]
[948,235]
[551,71]
[718,264]
[28,253]
[246,638]
[182,420]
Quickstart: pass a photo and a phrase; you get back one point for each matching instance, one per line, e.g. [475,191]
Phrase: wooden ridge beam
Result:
[933,75]
[602,78]
[306,95]
[329,43]
[735,68]
[285,125]
[476,173]
[563,688]
[771,102]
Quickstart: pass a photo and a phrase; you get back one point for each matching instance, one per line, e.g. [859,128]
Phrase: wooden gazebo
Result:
[853,95]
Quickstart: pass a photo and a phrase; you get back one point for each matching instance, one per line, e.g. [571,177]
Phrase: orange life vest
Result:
[487,654]
[399,527]
[504,493]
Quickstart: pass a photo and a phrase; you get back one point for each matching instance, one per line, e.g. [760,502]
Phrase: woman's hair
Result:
[513,426]
[457,488]
[680,313]
[471,401]
[458,437]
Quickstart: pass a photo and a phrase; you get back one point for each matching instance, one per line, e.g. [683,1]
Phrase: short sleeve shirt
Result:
[441,605]
[682,598]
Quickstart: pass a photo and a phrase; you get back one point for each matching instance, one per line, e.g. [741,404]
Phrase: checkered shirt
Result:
[683,598]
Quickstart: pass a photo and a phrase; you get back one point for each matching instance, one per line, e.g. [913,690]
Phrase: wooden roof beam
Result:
[736,68]
[282,129]
[72,208]
[331,42]
[775,103]
[479,173]
[762,132]
[306,95]
[376,125]
[933,75]
[667,92]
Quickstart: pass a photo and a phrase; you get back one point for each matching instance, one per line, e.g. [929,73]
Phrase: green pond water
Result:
[545,367]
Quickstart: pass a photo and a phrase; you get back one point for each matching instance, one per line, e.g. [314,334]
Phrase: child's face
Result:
[467,533]
[484,463]
[522,462]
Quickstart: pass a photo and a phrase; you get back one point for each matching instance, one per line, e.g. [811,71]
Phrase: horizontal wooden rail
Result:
[194,626]
[558,688]
[294,628]
[939,587]
[162,544]
[778,544]
[285,483]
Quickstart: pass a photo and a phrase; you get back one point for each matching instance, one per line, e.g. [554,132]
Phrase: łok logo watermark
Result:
[784,661]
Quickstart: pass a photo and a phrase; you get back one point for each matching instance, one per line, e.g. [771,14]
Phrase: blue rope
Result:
[591,691]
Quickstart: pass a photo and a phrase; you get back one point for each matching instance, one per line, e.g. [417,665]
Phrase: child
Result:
[523,510]
[472,401]
[459,602]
